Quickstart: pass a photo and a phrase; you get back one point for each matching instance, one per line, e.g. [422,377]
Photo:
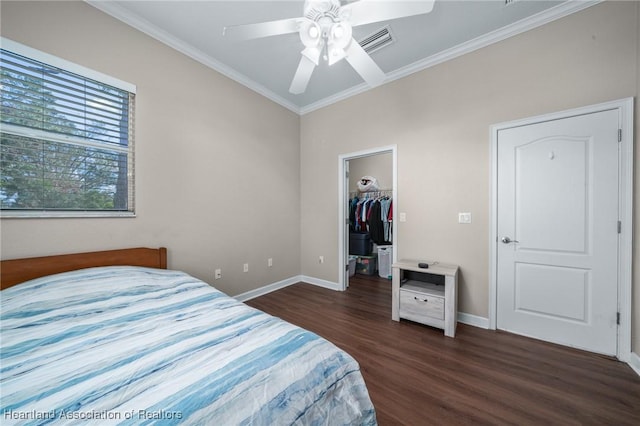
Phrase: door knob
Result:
[508,240]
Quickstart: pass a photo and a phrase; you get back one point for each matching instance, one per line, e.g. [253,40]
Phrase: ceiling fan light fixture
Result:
[340,37]
[337,31]
[310,33]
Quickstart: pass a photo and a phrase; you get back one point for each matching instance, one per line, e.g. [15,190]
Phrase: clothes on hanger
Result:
[373,214]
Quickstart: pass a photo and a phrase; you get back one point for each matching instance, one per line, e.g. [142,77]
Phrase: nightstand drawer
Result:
[415,305]
[425,295]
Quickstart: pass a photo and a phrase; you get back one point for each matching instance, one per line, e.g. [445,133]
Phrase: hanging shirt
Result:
[386,226]
[376,228]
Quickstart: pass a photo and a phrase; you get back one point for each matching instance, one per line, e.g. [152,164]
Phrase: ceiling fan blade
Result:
[364,65]
[303,75]
[369,11]
[262,29]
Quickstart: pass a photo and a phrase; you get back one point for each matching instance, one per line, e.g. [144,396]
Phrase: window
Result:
[66,138]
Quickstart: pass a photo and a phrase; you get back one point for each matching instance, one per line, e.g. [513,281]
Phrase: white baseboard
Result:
[473,320]
[243,297]
[634,362]
[321,283]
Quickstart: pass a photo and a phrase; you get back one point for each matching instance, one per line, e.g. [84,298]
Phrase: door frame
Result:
[625,208]
[343,194]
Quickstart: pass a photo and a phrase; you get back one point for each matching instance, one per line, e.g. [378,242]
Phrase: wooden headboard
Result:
[16,271]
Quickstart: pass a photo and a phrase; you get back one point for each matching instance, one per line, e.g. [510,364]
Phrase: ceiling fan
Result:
[326,26]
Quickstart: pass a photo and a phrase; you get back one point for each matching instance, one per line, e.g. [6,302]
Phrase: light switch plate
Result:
[464,217]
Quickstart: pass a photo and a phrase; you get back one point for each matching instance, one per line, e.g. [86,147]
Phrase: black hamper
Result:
[360,244]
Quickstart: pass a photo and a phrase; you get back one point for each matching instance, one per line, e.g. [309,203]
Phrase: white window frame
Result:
[55,61]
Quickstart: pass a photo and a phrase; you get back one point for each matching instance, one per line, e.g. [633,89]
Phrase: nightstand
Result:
[428,296]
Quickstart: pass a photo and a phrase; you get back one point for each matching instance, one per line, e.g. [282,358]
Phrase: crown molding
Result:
[519,27]
[142,25]
[557,12]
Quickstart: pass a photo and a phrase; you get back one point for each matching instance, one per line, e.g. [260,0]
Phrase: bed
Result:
[113,337]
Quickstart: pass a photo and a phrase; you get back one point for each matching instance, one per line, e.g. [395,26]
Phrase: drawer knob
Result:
[420,300]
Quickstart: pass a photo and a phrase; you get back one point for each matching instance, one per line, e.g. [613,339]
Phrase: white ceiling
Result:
[267,65]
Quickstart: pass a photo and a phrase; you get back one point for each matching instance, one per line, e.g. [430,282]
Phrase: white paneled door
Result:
[557,249]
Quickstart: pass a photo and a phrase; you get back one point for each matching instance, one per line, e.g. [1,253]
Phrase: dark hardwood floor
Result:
[416,376]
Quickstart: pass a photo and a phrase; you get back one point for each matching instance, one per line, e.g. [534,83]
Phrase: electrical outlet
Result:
[321,259]
[245,267]
[218,274]
[270,262]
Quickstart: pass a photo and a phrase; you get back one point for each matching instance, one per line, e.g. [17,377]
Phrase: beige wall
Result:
[440,120]
[379,166]
[217,165]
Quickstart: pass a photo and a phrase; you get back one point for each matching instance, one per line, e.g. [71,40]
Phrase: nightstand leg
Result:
[395,294]
[450,306]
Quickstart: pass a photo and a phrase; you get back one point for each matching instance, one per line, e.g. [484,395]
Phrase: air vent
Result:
[377,40]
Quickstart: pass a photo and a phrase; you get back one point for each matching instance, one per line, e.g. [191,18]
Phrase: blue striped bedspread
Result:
[129,345]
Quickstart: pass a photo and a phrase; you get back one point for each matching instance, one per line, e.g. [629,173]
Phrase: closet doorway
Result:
[381,161]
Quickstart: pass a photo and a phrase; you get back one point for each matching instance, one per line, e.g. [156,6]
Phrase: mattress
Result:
[130,345]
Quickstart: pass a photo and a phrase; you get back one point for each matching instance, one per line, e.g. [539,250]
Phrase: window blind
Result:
[67,140]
